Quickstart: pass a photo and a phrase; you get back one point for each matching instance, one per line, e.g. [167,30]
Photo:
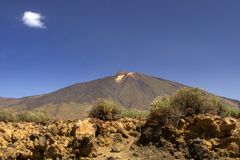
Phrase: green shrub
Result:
[32,116]
[28,116]
[186,102]
[162,112]
[7,116]
[158,105]
[105,109]
[194,101]
[227,111]
[214,104]
[134,113]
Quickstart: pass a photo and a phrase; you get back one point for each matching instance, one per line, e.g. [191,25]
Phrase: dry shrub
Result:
[227,111]
[134,113]
[162,112]
[32,116]
[7,116]
[189,101]
[185,102]
[28,116]
[195,101]
[214,105]
[105,109]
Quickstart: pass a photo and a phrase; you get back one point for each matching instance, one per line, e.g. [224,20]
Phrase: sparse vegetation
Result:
[7,116]
[227,111]
[165,109]
[195,101]
[134,113]
[186,102]
[105,109]
[29,116]
[32,116]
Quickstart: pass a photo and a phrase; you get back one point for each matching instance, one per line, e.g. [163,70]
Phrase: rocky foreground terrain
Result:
[196,137]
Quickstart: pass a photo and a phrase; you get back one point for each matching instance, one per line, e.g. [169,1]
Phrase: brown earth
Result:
[198,137]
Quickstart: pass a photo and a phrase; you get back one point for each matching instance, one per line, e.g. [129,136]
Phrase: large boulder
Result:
[199,149]
[228,124]
[84,128]
[204,126]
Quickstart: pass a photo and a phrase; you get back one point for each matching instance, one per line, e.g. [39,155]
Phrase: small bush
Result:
[162,112]
[133,113]
[158,105]
[105,109]
[29,116]
[214,105]
[186,102]
[227,111]
[32,116]
[194,101]
[7,116]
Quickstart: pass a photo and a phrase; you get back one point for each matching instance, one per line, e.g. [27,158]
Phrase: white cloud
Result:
[33,19]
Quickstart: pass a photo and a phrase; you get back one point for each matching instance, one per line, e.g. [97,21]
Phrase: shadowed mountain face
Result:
[131,90]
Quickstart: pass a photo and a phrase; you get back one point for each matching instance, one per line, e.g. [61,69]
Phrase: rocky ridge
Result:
[196,137]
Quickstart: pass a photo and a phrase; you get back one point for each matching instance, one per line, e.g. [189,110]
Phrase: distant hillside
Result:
[7,101]
[131,90]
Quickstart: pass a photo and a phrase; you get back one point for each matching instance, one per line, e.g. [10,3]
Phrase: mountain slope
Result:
[131,90]
[7,101]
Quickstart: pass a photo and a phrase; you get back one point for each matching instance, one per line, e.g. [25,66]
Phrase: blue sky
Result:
[193,42]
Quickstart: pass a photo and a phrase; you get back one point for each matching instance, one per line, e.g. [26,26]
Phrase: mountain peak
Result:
[119,76]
